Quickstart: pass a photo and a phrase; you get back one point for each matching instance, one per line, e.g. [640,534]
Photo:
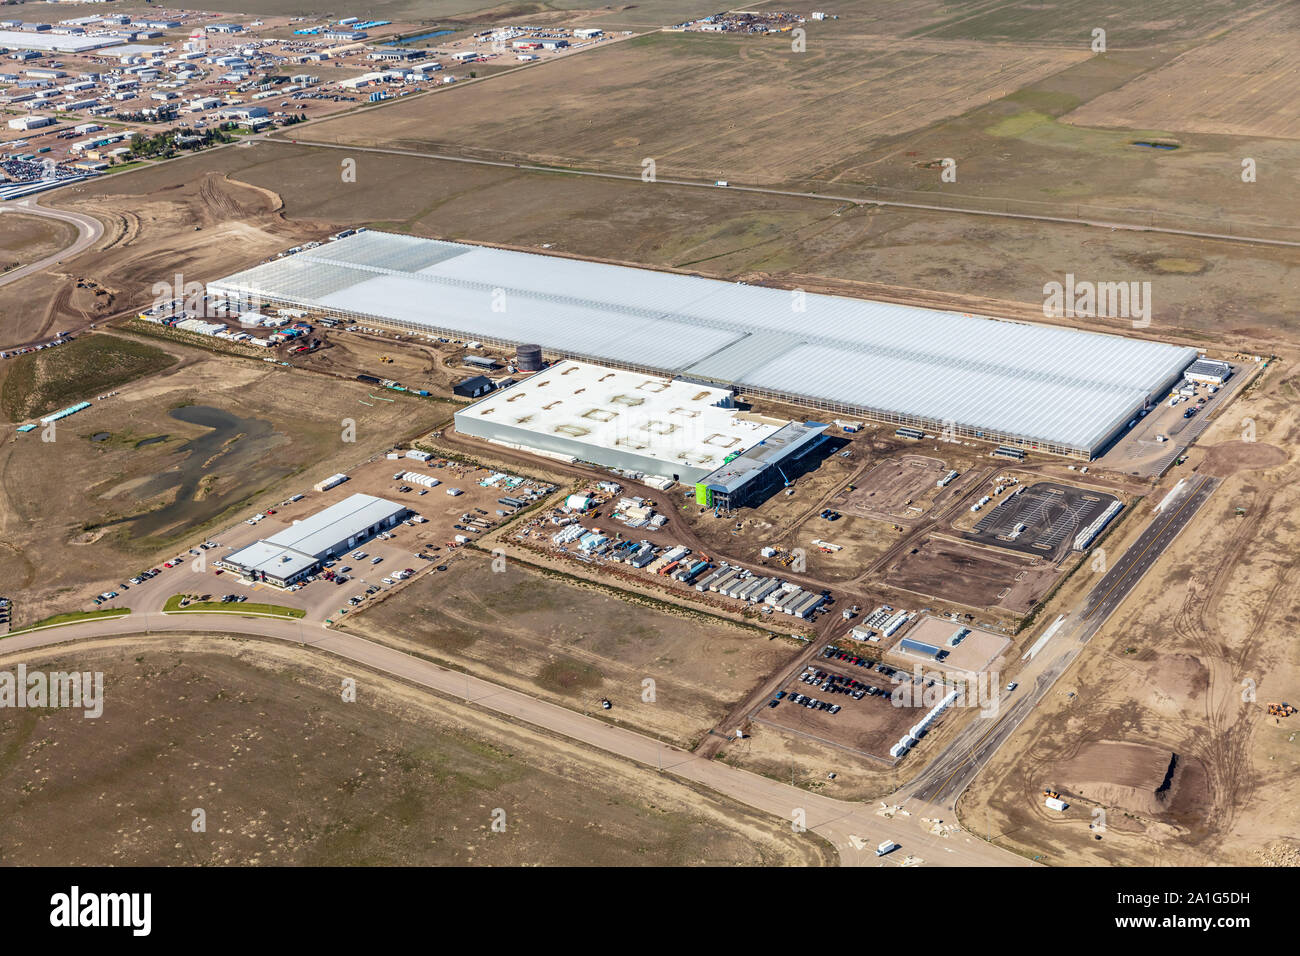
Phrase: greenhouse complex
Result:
[1031,386]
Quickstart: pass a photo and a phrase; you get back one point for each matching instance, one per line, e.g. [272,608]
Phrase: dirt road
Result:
[852,200]
[952,770]
[854,829]
[89,229]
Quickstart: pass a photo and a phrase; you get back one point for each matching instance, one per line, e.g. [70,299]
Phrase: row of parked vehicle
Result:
[840,684]
[812,703]
[4,610]
[834,653]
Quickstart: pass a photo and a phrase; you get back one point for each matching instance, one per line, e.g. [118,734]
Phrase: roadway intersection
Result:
[853,828]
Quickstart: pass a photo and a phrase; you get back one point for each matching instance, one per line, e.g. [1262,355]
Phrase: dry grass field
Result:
[46,381]
[706,107]
[1071,21]
[125,482]
[257,737]
[574,645]
[1243,83]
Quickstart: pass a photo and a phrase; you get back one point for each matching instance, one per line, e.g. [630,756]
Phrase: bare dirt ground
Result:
[899,488]
[180,218]
[574,645]
[285,773]
[976,576]
[1186,667]
[25,239]
[1136,778]
[807,762]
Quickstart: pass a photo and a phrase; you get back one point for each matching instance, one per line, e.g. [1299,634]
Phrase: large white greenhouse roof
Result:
[1006,380]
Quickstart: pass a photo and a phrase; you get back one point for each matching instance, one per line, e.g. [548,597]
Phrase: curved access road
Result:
[89,229]
[855,829]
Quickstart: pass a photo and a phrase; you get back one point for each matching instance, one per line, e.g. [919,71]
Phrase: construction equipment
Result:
[1051,795]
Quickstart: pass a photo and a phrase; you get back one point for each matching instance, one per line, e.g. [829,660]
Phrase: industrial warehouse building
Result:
[1209,371]
[290,555]
[641,424]
[1033,386]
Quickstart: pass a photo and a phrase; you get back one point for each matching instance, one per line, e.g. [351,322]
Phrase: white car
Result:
[358,555]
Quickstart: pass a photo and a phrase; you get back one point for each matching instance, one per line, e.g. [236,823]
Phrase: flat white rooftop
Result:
[266,558]
[1045,386]
[305,542]
[318,533]
[54,42]
[590,410]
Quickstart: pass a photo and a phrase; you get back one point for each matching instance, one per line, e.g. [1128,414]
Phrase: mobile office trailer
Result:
[736,586]
[695,572]
[769,585]
[733,574]
[716,575]
[779,593]
[791,606]
[788,598]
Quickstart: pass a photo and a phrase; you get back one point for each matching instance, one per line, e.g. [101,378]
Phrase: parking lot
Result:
[1041,519]
[420,544]
[844,700]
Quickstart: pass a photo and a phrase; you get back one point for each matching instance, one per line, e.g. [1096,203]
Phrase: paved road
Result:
[948,774]
[797,194]
[852,828]
[89,229]
[838,821]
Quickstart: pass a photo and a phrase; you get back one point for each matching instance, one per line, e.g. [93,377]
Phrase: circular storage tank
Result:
[528,358]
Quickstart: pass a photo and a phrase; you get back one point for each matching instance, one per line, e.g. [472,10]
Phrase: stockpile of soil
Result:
[1139,778]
